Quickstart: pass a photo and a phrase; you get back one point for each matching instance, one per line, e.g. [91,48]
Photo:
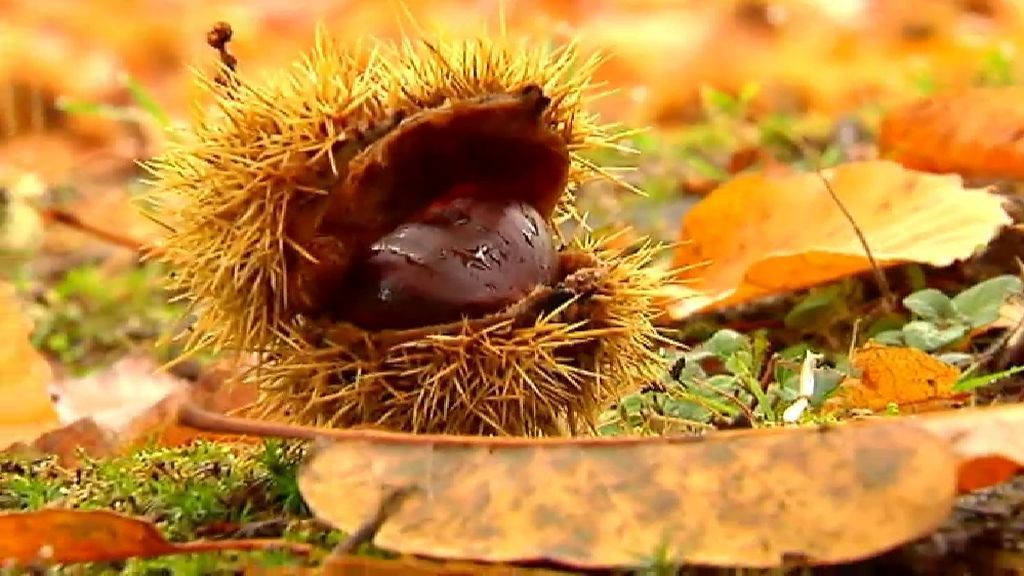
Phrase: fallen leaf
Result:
[217,390]
[910,378]
[410,566]
[117,395]
[975,133]
[989,442]
[738,499]
[760,234]
[130,404]
[64,536]
[25,407]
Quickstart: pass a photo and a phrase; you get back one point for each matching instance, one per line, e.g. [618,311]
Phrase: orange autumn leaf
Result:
[910,378]
[765,234]
[65,536]
[25,407]
[737,499]
[976,133]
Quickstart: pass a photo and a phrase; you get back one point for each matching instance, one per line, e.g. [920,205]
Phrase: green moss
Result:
[89,318]
[186,492]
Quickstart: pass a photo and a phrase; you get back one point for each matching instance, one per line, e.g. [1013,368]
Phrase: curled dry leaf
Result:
[761,234]
[733,499]
[25,407]
[975,133]
[68,536]
[910,378]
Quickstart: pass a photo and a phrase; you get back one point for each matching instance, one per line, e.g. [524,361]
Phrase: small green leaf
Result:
[706,169]
[930,304]
[887,322]
[980,303]
[687,409]
[723,382]
[816,308]
[916,277]
[749,91]
[78,108]
[726,343]
[831,156]
[740,363]
[929,337]
[826,381]
[973,383]
[716,100]
[889,337]
[146,101]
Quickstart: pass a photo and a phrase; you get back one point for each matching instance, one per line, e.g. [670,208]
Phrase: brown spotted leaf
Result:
[734,499]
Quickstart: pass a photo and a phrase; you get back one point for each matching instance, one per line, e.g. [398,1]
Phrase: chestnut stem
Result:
[194,416]
[218,38]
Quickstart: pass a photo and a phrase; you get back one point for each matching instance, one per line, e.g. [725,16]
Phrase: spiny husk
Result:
[225,187]
[422,74]
[525,371]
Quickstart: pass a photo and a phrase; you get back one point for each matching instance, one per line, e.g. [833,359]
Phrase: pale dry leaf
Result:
[761,234]
[116,396]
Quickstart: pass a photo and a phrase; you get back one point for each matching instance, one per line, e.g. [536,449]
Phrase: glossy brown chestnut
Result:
[465,258]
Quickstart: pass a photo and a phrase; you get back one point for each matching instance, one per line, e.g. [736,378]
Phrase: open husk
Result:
[274,191]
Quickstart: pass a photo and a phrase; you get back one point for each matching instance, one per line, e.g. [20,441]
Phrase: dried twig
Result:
[888,299]
[73,221]
[192,415]
[389,506]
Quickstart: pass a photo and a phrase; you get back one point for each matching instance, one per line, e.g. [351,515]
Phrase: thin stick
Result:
[883,285]
[72,221]
[365,533]
[192,416]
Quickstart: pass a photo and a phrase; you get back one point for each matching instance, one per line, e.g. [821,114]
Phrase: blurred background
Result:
[826,55]
[83,83]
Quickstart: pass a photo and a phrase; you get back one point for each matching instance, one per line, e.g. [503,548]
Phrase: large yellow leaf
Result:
[765,234]
[25,407]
